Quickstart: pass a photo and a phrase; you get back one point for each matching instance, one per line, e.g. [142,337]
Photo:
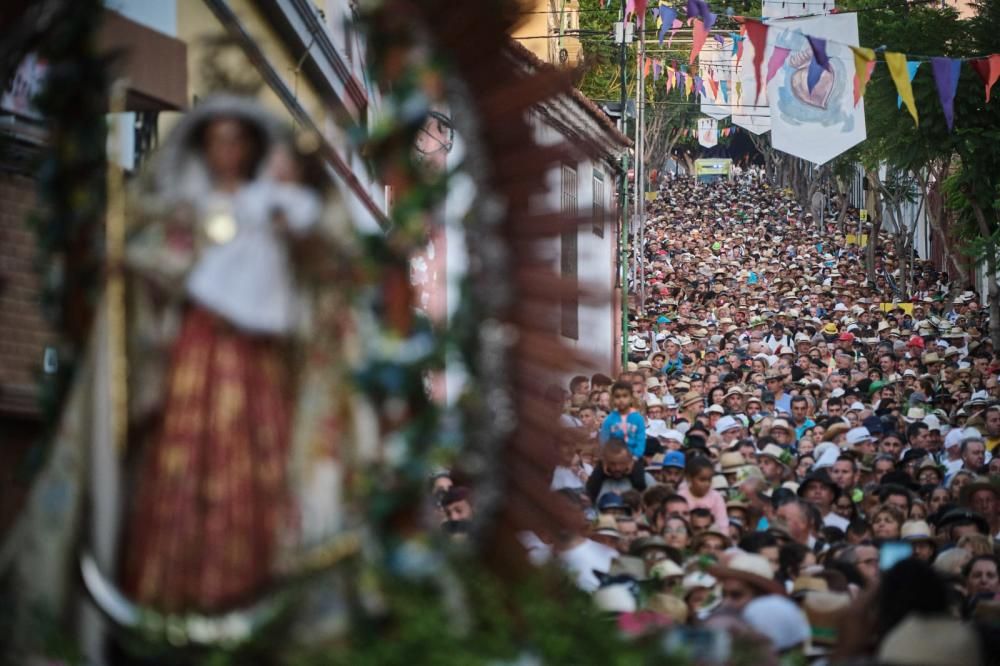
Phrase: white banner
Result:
[715,63]
[751,112]
[820,124]
[708,132]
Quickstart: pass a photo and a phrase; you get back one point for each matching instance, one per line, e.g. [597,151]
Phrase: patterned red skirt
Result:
[211,494]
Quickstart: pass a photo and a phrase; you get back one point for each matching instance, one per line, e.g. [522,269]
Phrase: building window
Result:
[568,257]
[598,210]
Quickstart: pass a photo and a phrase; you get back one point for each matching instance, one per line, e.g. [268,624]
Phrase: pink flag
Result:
[778,57]
[757,32]
[698,36]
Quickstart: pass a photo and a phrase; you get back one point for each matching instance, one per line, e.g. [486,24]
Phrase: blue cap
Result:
[673,459]
[610,501]
[662,320]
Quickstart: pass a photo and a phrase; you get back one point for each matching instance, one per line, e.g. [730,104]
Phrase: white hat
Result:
[914,414]
[922,640]
[837,392]
[954,438]
[676,435]
[727,423]
[657,428]
[933,423]
[857,435]
[856,407]
[780,619]
[826,454]
[616,599]
[669,402]
[715,409]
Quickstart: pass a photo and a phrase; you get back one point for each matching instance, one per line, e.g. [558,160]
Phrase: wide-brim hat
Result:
[977,484]
[752,569]
[819,476]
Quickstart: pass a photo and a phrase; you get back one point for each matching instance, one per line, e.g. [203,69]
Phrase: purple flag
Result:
[699,86]
[946,73]
[819,62]
[667,16]
[699,9]
[720,39]
[656,70]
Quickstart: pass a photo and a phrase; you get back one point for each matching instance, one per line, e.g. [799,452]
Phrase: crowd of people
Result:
[793,451]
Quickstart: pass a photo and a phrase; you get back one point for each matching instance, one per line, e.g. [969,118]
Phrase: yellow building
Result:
[550,29]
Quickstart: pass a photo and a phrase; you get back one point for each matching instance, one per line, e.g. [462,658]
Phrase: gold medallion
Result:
[220,227]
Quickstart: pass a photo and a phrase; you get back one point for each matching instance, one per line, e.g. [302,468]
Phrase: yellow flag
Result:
[862,69]
[901,77]
[688,85]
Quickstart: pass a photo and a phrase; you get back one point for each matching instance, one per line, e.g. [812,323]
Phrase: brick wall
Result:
[23,331]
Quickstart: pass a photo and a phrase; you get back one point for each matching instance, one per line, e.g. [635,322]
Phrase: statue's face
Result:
[227,149]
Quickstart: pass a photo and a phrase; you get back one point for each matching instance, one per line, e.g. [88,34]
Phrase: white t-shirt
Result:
[586,557]
[833,520]
[564,477]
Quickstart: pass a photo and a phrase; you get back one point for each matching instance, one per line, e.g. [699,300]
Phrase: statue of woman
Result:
[239,336]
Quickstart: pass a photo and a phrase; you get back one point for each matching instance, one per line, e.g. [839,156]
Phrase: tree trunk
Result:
[875,217]
[991,279]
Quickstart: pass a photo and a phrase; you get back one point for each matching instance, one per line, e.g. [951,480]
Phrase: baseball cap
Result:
[673,459]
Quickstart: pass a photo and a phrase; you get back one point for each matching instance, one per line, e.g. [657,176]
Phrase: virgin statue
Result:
[239,335]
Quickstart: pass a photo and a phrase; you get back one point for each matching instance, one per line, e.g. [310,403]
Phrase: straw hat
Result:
[731,461]
[931,641]
[752,569]
[916,530]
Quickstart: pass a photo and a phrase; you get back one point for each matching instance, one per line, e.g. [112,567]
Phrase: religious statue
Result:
[239,343]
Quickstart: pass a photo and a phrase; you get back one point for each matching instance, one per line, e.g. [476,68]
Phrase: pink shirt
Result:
[712,500]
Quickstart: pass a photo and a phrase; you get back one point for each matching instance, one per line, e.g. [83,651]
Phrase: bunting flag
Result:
[819,63]
[665,20]
[698,35]
[699,86]
[638,9]
[900,72]
[688,86]
[988,70]
[911,70]
[757,33]
[647,63]
[864,63]
[673,32]
[714,85]
[657,68]
[724,87]
[699,9]
[946,72]
[739,48]
[778,57]
[739,88]
[681,82]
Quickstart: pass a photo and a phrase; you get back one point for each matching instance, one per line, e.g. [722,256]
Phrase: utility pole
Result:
[640,164]
[623,37]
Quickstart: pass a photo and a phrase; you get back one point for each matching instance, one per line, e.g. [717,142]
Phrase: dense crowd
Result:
[793,451]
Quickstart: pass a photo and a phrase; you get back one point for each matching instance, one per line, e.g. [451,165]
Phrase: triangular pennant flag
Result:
[946,72]
[736,43]
[719,38]
[699,86]
[698,35]
[739,48]
[911,70]
[988,70]
[819,63]
[739,90]
[778,56]
[647,63]
[688,86]
[724,86]
[864,63]
[666,20]
[673,32]
[901,77]
[714,85]
[657,68]
[757,32]
[681,81]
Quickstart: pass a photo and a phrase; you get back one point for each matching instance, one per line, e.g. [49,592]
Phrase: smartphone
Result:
[893,552]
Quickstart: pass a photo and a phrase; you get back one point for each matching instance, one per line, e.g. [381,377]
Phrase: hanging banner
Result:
[750,110]
[715,60]
[813,115]
[708,132]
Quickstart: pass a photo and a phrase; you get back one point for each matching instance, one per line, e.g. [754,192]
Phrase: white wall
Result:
[595,262]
